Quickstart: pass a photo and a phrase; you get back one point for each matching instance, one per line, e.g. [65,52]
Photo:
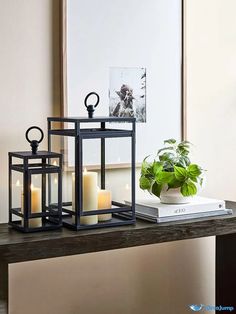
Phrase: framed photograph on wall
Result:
[136,68]
[127,93]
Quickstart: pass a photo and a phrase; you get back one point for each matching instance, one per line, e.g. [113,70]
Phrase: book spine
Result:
[193,216]
[190,209]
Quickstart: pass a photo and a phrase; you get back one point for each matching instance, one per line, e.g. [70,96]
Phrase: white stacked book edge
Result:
[153,210]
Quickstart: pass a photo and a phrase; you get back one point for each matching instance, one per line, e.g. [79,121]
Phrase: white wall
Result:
[25,77]
[211,92]
[160,278]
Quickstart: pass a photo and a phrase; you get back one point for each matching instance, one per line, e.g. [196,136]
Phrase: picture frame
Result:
[65,90]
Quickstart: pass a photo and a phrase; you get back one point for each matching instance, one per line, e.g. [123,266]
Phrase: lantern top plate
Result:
[38,155]
[91,120]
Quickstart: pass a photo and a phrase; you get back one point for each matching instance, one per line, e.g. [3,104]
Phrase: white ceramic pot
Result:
[174,196]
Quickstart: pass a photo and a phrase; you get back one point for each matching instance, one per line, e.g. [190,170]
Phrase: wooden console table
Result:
[18,247]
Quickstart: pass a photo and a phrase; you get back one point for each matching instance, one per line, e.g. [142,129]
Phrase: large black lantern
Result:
[34,181]
[91,205]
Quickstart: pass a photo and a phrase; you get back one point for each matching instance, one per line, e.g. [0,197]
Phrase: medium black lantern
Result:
[30,174]
[86,210]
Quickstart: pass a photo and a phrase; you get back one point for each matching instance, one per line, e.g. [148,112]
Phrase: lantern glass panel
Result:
[54,189]
[120,185]
[35,200]
[17,189]
[17,194]
[36,181]
[59,145]
[40,210]
[91,154]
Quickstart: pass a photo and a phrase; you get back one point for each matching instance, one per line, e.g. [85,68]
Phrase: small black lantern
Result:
[31,176]
[82,211]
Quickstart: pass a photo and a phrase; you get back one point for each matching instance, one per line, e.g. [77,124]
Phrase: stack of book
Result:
[154,211]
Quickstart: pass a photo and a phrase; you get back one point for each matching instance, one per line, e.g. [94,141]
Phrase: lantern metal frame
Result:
[51,214]
[122,214]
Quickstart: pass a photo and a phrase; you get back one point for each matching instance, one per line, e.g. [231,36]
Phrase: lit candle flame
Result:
[18,183]
[85,170]
[31,186]
[55,181]
[54,163]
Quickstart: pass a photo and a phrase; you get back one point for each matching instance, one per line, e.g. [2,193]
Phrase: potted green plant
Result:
[171,176]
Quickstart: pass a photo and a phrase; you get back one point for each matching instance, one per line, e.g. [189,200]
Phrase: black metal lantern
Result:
[82,211]
[30,188]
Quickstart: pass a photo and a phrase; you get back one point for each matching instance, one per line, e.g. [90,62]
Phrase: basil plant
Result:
[171,167]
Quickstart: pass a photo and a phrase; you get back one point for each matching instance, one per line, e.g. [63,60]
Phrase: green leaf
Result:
[194,180]
[193,171]
[180,173]
[144,183]
[183,151]
[164,149]
[173,184]
[181,162]
[167,156]
[186,159]
[183,148]
[156,189]
[168,166]
[157,167]
[188,188]
[145,166]
[164,177]
[185,144]
[170,141]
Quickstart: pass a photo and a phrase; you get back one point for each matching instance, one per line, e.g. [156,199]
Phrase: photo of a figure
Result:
[127,93]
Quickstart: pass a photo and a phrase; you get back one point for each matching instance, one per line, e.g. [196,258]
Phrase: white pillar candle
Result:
[90,197]
[104,202]
[17,194]
[35,206]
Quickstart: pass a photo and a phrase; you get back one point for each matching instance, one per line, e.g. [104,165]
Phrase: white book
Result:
[153,207]
[185,216]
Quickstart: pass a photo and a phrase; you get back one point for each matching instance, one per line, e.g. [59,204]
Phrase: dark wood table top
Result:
[20,247]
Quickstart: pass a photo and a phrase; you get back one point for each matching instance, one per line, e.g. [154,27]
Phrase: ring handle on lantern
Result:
[91,108]
[34,143]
